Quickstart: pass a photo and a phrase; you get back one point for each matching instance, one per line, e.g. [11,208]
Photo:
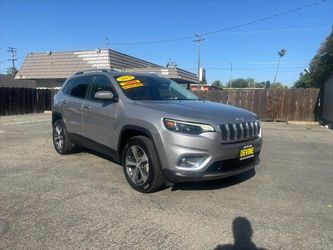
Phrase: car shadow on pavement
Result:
[200,185]
[215,184]
[242,232]
[80,149]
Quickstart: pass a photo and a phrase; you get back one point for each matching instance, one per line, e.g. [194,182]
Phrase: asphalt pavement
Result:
[82,200]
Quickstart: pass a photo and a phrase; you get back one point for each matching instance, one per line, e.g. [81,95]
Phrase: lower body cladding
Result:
[193,158]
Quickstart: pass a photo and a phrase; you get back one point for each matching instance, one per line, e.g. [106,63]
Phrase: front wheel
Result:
[141,165]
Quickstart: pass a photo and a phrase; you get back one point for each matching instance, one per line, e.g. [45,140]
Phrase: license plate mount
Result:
[246,152]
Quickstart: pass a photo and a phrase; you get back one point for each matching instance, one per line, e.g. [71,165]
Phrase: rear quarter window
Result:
[67,88]
[80,87]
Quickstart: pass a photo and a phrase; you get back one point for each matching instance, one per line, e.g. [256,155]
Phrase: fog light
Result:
[191,161]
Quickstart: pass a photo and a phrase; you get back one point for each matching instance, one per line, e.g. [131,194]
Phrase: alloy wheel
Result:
[58,136]
[137,165]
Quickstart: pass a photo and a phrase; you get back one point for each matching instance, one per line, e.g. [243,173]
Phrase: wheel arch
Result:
[130,131]
[56,116]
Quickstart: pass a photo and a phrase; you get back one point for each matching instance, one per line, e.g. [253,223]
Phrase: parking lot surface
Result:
[49,201]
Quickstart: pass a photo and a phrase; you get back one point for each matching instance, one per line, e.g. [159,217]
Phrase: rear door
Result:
[99,117]
[72,105]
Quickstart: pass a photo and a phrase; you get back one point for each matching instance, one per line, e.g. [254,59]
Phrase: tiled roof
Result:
[180,75]
[60,65]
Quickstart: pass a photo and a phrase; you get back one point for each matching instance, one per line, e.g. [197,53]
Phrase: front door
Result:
[99,117]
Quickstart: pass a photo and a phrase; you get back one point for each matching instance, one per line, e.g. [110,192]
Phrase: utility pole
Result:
[106,40]
[281,53]
[198,40]
[13,52]
[230,75]
[277,70]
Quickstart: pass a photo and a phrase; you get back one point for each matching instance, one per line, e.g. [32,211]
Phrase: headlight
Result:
[187,127]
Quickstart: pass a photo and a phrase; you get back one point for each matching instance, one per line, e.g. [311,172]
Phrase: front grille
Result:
[240,131]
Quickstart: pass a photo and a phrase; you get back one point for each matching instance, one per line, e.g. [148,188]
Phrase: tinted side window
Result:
[66,89]
[101,83]
[80,87]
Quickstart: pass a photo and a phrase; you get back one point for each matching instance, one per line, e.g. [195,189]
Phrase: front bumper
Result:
[217,170]
[222,159]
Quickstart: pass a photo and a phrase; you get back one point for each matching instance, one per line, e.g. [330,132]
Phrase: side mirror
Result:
[104,95]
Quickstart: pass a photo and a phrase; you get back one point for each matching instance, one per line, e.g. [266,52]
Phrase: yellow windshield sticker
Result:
[134,85]
[125,78]
[129,82]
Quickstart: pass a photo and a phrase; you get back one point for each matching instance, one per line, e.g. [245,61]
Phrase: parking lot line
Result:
[24,122]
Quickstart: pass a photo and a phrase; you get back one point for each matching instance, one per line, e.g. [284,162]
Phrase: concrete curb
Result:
[311,123]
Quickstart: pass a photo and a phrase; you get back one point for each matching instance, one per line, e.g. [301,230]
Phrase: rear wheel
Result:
[141,165]
[61,141]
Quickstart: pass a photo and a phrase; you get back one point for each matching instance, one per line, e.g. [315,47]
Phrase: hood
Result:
[199,111]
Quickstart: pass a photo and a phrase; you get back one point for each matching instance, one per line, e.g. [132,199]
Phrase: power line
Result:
[262,19]
[265,18]
[248,68]
[17,59]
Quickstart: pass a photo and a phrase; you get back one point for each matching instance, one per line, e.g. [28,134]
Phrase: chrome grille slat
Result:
[252,129]
[247,129]
[235,131]
[239,131]
[228,132]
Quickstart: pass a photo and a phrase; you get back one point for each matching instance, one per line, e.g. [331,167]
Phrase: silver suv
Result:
[159,131]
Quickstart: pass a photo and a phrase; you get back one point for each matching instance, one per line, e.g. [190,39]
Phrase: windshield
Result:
[153,88]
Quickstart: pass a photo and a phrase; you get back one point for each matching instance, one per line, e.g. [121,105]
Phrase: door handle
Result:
[86,106]
[65,102]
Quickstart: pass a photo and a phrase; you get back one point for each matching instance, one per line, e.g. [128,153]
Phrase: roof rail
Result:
[95,70]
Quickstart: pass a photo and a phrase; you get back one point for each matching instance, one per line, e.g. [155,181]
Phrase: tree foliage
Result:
[217,83]
[321,66]
[264,84]
[248,83]
[239,83]
[304,81]
[282,52]
[277,85]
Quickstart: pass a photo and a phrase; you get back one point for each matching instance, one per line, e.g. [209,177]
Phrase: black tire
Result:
[155,180]
[67,146]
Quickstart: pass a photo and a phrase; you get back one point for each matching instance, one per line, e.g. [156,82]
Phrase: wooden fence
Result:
[270,104]
[15,101]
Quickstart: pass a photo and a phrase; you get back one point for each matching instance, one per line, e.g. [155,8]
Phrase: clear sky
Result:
[42,25]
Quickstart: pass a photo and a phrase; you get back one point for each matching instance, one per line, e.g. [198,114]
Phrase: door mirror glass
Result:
[104,95]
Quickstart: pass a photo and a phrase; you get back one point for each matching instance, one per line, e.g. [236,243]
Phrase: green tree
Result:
[264,84]
[277,85]
[321,66]
[305,81]
[281,54]
[239,83]
[217,83]
[251,82]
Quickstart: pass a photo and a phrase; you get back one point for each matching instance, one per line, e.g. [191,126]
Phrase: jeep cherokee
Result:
[155,128]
